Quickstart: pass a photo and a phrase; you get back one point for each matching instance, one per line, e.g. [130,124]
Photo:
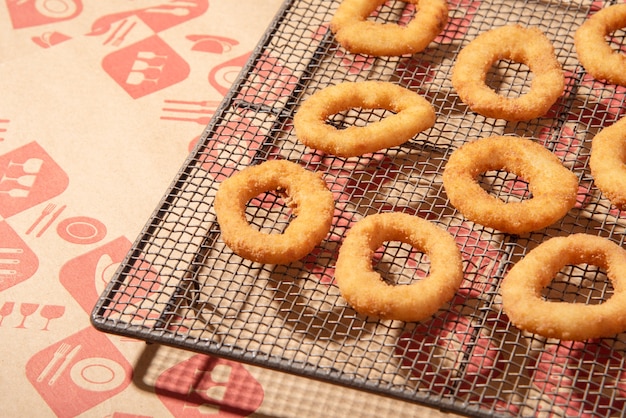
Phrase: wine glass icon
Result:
[26,180]
[221,373]
[136,78]
[141,65]
[16,192]
[149,55]
[50,312]
[30,166]
[147,67]
[5,310]
[205,401]
[26,309]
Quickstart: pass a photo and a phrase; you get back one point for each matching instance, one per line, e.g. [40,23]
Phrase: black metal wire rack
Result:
[181,286]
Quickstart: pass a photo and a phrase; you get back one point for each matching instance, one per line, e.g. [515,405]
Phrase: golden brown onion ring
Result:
[516,43]
[593,50]
[364,289]
[553,186]
[528,310]
[413,114]
[607,162]
[360,36]
[314,206]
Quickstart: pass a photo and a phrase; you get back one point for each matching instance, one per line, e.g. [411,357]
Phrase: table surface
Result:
[93,128]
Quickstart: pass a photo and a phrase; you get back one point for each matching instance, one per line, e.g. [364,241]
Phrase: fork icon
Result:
[46,211]
[63,349]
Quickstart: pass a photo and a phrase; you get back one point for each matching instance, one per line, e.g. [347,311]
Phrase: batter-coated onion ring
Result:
[524,45]
[553,186]
[593,50]
[365,290]
[413,114]
[527,310]
[360,36]
[314,206]
[607,162]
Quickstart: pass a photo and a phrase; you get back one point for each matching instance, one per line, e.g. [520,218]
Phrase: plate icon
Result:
[81,230]
[98,374]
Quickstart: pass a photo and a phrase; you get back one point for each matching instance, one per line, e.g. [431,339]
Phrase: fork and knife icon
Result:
[47,210]
[205,109]
[64,352]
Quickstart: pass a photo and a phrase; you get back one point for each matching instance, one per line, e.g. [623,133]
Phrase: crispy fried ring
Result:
[527,310]
[413,114]
[364,289]
[307,191]
[593,50]
[525,45]
[553,186]
[360,36]
[607,162]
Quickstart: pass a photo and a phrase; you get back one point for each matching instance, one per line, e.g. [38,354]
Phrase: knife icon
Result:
[64,365]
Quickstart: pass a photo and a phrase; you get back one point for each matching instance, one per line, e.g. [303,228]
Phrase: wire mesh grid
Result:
[181,286]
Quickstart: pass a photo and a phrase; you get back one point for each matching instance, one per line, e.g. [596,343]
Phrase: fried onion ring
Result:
[607,162]
[516,43]
[553,186]
[308,193]
[593,50]
[364,289]
[413,114]
[360,36]
[528,310]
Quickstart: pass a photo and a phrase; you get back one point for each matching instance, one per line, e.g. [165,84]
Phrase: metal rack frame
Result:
[181,286]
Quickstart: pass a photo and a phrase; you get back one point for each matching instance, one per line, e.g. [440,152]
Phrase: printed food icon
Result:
[26,13]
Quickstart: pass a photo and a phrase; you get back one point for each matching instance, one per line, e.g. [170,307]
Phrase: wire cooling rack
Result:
[181,286]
